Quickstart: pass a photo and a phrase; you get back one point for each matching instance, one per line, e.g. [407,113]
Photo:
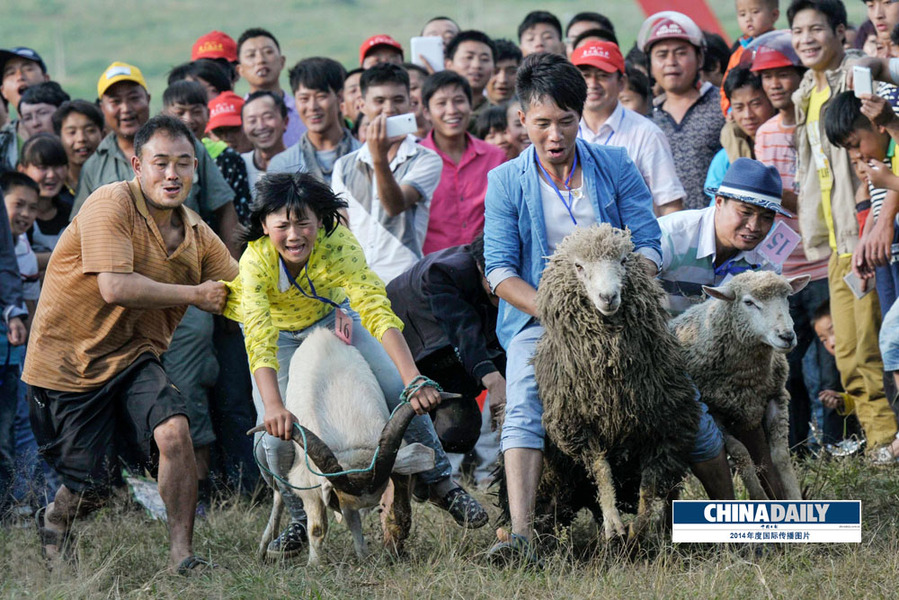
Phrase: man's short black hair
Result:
[317,73]
[492,118]
[184,92]
[410,67]
[638,58]
[440,80]
[352,72]
[603,34]
[739,77]
[591,17]
[209,70]
[535,18]
[545,75]
[43,150]
[716,54]
[383,73]
[470,35]
[46,92]
[254,32]
[506,50]
[834,10]
[14,179]
[822,311]
[894,35]
[171,126]
[276,98]
[83,107]
[844,117]
[476,250]
[432,19]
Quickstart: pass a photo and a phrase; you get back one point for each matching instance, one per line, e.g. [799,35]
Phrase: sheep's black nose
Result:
[788,337]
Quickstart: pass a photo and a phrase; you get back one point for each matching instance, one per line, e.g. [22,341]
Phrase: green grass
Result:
[122,554]
[79,38]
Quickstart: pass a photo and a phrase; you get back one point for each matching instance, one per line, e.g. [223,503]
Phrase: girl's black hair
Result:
[296,191]
[492,118]
[43,150]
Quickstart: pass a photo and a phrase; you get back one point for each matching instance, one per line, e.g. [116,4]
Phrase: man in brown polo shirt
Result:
[118,283]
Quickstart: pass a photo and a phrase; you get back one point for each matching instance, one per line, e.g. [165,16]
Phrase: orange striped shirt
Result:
[78,341]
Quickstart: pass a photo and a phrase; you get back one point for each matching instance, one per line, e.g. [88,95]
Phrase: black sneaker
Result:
[289,543]
[465,510]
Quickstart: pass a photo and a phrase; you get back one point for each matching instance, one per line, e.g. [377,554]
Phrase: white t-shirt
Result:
[555,215]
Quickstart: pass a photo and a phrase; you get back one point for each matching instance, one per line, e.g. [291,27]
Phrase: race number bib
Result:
[780,243]
[343,326]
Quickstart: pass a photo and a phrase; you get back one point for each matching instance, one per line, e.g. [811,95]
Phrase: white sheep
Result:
[342,411]
[736,344]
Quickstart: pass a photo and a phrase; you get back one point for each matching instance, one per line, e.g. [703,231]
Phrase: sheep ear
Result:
[721,293]
[798,283]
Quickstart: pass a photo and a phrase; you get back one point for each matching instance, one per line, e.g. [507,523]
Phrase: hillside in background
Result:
[79,38]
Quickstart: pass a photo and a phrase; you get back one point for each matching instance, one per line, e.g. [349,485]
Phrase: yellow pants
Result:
[856,324]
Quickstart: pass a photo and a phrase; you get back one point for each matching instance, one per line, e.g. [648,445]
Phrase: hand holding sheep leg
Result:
[277,419]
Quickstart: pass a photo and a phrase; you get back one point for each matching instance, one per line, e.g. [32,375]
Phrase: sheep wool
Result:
[614,388]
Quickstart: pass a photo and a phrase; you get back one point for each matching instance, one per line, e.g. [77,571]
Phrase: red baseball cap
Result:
[215,44]
[224,111]
[773,50]
[375,41]
[605,56]
[769,58]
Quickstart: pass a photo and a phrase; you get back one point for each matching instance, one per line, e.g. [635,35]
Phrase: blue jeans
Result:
[278,455]
[9,396]
[523,422]
[889,339]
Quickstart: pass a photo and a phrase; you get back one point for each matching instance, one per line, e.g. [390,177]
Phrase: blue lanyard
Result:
[552,182]
[731,268]
[294,283]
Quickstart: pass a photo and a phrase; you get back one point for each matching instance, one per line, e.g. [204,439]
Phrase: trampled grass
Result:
[122,554]
[78,39]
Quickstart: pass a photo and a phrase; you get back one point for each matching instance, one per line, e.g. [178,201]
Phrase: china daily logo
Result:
[837,521]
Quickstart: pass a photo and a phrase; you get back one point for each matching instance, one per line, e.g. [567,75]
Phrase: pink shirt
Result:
[775,145]
[457,207]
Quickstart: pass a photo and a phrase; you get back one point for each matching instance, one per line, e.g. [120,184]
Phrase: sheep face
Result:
[759,304]
[599,257]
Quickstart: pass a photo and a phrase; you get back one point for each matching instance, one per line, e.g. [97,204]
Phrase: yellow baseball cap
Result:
[119,71]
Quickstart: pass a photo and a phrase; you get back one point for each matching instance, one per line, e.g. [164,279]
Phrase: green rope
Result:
[416,385]
[369,469]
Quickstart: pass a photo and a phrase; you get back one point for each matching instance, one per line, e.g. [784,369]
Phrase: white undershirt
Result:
[555,215]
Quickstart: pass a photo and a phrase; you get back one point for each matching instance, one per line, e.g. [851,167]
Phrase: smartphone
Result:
[431,48]
[860,287]
[398,125]
[861,81]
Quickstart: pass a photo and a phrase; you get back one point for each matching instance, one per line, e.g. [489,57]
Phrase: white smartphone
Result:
[431,48]
[398,125]
[861,81]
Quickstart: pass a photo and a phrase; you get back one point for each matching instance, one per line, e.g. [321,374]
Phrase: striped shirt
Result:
[688,258]
[78,341]
[775,145]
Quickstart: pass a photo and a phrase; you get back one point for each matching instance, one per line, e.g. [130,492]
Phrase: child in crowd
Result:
[302,269]
[755,18]
[637,93]
[493,128]
[518,135]
[43,159]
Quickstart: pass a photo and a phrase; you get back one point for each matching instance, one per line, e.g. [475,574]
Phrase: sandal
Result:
[64,541]
[194,565]
[517,550]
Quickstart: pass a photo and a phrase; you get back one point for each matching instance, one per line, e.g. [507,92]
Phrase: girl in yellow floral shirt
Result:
[302,269]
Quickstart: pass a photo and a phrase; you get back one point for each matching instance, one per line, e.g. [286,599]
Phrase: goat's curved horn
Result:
[325,460]
[389,444]
[449,395]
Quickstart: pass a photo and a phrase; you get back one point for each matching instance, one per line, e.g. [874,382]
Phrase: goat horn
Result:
[449,395]
[389,445]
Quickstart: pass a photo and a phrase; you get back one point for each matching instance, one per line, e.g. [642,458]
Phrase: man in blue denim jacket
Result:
[532,203]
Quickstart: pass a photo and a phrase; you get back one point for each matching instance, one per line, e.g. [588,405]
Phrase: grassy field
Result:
[79,38]
[121,553]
